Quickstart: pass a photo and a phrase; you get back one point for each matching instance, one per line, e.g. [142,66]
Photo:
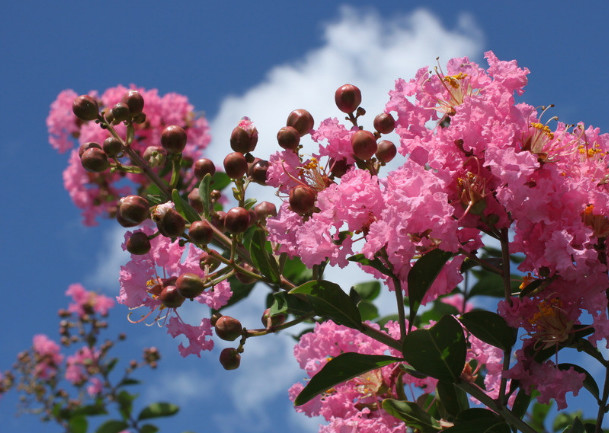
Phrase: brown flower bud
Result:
[386,151]
[138,243]
[173,139]
[85,108]
[155,156]
[301,120]
[170,297]
[201,232]
[384,123]
[85,146]
[230,358]
[204,166]
[235,165]
[228,328]
[242,140]
[169,222]
[288,138]
[134,101]
[95,160]
[237,220]
[339,168]
[302,199]
[347,98]
[258,171]
[112,146]
[269,321]
[364,144]
[132,210]
[190,285]
[120,112]
[264,209]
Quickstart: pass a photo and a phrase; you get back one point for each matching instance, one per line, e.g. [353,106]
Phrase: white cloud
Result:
[109,260]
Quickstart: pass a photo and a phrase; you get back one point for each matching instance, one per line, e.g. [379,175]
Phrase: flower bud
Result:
[235,165]
[138,243]
[134,101]
[169,222]
[155,156]
[347,98]
[384,123]
[194,199]
[85,146]
[237,220]
[386,151]
[132,210]
[258,170]
[269,321]
[120,112]
[85,108]
[190,285]
[288,138]
[301,120]
[95,160]
[339,167]
[264,209]
[230,358]
[244,278]
[204,166]
[363,144]
[201,232]
[244,140]
[302,199]
[228,328]
[173,139]
[208,263]
[112,146]
[170,297]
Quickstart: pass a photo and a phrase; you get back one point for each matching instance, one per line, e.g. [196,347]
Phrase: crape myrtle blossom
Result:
[48,356]
[96,194]
[165,261]
[85,301]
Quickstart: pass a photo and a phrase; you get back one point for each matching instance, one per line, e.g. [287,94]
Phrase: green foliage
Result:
[490,328]
[158,410]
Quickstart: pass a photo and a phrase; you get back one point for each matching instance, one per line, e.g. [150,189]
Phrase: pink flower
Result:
[199,337]
[85,301]
[47,358]
[79,365]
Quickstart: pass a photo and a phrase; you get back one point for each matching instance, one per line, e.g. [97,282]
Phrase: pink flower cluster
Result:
[48,357]
[476,163]
[165,261]
[97,193]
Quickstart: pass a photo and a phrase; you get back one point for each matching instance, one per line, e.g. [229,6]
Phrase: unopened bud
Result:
[94,160]
[132,210]
[204,166]
[235,165]
[347,98]
[386,151]
[134,101]
[288,138]
[85,108]
[363,144]
[201,232]
[230,358]
[302,199]
[173,139]
[170,297]
[190,285]
[138,243]
[384,123]
[228,328]
[237,220]
[301,120]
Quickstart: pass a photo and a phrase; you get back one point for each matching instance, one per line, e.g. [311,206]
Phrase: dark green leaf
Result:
[285,303]
[412,414]
[220,180]
[340,369]
[78,424]
[91,409]
[539,414]
[438,351]
[589,382]
[435,313]
[490,284]
[452,398]
[477,420]
[111,364]
[240,291]
[422,275]
[262,259]
[577,427]
[149,428]
[183,207]
[521,404]
[369,290]
[204,195]
[328,299]
[490,328]
[564,420]
[295,271]
[367,310]
[158,410]
[376,263]
[125,403]
[128,381]
[112,426]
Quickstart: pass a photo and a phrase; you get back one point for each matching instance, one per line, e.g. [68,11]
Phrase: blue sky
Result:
[232,59]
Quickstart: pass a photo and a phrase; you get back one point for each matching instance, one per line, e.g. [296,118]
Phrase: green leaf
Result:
[149,428]
[220,180]
[589,382]
[369,290]
[91,409]
[158,410]
[249,203]
[285,303]
[328,299]
[128,381]
[376,263]
[577,427]
[367,310]
[262,259]
[539,414]
[125,403]
[452,398]
[477,420]
[294,270]
[490,328]
[183,207]
[435,313]
[422,275]
[111,364]
[438,351]
[112,426]
[564,420]
[412,415]
[521,404]
[204,195]
[78,424]
[340,369]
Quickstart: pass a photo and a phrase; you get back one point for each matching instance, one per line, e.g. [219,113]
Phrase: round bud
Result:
[269,321]
[170,223]
[208,263]
[95,160]
[339,168]
[265,209]
[384,123]
[194,200]
[301,120]
[190,285]
[386,151]
[201,232]
[134,101]
[85,108]
[302,199]
[347,98]
[173,139]
[218,218]
[170,297]
[132,210]
[288,138]
[235,165]
[363,144]
[85,146]
[228,328]
[139,118]
[242,140]
[204,166]
[230,358]
[112,146]
[258,171]
[237,220]
[155,156]
[120,112]
[244,278]
[138,243]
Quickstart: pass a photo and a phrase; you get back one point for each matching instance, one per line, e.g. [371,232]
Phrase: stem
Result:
[505,258]
[512,419]
[381,337]
[602,407]
[481,262]
[399,297]
[273,329]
